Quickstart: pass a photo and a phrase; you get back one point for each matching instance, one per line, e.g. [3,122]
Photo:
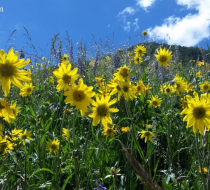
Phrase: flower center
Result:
[205,87]
[125,88]
[118,88]
[6,70]
[144,33]
[163,58]
[137,59]
[102,110]
[28,90]
[109,131]
[140,51]
[66,78]
[199,112]
[79,95]
[168,90]
[1,107]
[155,103]
[3,146]
[147,134]
[24,136]
[177,86]
[124,72]
[53,146]
[13,111]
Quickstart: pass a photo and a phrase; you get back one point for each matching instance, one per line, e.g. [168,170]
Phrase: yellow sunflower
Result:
[128,90]
[197,112]
[66,76]
[205,87]
[109,131]
[9,73]
[163,56]
[66,133]
[64,58]
[116,89]
[26,90]
[179,85]
[101,110]
[53,146]
[5,111]
[146,89]
[24,136]
[140,50]
[13,134]
[5,146]
[137,59]
[184,103]
[198,74]
[144,32]
[155,101]
[205,169]
[140,88]
[123,73]
[200,63]
[125,129]
[80,96]
[100,80]
[105,90]
[15,110]
[147,135]
[167,89]
[189,88]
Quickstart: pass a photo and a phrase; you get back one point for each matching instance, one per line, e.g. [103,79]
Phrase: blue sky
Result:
[184,21]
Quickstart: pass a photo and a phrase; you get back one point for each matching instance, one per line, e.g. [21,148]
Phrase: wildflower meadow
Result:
[108,119]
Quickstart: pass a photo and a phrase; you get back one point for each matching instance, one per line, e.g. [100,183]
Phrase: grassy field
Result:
[117,120]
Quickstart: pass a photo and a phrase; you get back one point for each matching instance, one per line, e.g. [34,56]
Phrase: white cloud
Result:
[123,15]
[145,3]
[127,11]
[135,24]
[186,31]
[127,27]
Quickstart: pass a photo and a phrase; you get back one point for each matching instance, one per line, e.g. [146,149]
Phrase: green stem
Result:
[76,159]
[86,141]
[199,159]
[76,173]
[134,133]
[57,169]
[25,174]
[114,182]
[149,164]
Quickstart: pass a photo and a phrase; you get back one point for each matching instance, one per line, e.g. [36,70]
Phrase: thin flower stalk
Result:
[134,133]
[59,150]
[199,159]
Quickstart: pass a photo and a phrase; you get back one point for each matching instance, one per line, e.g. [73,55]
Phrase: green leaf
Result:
[144,76]
[167,186]
[66,181]
[48,125]
[155,169]
[42,139]
[124,118]
[32,111]
[29,167]
[41,170]
[150,150]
